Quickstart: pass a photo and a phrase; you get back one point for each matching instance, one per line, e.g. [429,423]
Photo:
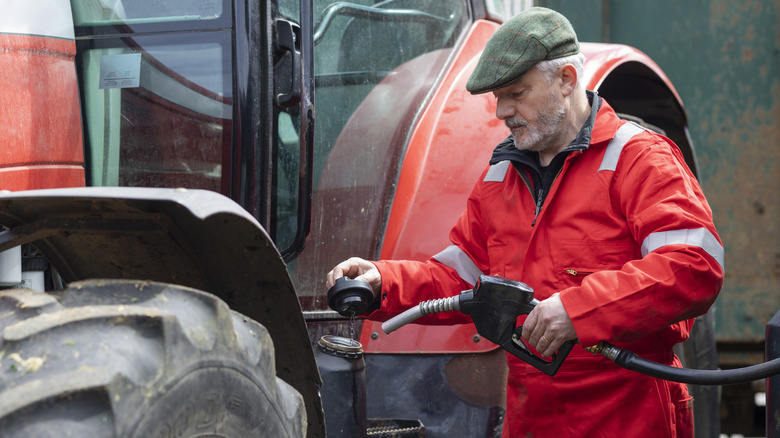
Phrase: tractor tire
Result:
[121,358]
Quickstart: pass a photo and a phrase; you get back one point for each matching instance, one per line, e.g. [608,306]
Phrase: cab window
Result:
[157,93]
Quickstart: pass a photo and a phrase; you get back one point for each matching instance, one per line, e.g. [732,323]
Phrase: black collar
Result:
[506,150]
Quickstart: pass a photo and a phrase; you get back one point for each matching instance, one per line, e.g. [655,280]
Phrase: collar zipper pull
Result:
[538,207]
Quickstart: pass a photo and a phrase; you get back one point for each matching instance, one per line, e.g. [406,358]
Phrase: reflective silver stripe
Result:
[622,136]
[497,172]
[700,237]
[458,260]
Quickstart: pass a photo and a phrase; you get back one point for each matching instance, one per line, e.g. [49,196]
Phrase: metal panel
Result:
[773,383]
[722,57]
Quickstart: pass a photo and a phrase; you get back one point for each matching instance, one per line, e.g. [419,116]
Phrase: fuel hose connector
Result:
[605,349]
[631,361]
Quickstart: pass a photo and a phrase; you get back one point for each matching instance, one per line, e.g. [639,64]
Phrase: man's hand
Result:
[358,269]
[548,326]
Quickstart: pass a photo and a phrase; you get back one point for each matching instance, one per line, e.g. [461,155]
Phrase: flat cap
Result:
[534,35]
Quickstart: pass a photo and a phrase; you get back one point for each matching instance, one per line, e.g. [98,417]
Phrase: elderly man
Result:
[600,216]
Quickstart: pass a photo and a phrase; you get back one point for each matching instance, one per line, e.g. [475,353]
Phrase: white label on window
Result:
[120,71]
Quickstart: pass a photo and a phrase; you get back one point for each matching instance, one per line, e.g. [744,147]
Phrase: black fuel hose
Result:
[631,361]
[496,302]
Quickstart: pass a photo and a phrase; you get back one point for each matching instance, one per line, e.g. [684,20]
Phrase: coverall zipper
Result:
[522,160]
[577,272]
[539,199]
[544,182]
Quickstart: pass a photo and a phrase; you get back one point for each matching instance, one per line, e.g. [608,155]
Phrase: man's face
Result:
[533,110]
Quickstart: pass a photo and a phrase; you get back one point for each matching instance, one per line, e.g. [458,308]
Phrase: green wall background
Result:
[723,56]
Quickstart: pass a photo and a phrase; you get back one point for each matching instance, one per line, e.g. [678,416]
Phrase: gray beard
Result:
[546,132]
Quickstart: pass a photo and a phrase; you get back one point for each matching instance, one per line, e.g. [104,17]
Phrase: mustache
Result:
[516,123]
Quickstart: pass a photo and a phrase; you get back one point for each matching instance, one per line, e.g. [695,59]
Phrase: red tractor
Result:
[181,290]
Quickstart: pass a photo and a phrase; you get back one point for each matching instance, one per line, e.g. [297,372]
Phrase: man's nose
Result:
[503,109]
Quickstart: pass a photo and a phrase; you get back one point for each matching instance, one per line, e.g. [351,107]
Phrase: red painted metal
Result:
[41,146]
[40,176]
[602,59]
[446,154]
[428,339]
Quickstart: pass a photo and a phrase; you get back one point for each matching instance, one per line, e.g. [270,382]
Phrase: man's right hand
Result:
[359,269]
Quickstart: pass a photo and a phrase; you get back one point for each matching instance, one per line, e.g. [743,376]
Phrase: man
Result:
[601,217]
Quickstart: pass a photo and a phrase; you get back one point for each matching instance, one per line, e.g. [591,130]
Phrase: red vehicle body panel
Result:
[436,173]
[603,59]
[447,152]
[41,146]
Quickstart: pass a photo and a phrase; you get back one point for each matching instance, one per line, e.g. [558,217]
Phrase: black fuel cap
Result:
[350,297]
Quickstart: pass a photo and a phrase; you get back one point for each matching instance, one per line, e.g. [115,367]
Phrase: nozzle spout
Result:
[420,310]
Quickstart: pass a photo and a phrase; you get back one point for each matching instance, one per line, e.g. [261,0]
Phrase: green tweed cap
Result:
[534,35]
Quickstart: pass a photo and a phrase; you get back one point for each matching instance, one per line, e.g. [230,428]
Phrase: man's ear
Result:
[568,79]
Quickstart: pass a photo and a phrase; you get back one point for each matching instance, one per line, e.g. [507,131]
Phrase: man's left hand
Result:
[548,326]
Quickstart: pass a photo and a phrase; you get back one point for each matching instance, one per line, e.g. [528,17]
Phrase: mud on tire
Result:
[119,358]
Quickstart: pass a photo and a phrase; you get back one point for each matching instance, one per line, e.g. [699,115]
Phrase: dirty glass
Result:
[158,105]
[364,52]
[158,114]
[95,12]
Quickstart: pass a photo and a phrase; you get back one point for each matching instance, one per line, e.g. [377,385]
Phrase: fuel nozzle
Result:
[494,305]
[350,297]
